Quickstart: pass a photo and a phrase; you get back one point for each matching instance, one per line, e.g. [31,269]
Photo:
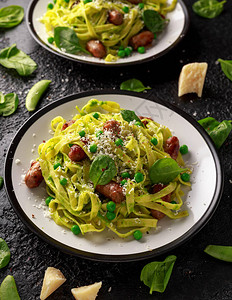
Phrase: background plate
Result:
[201,201]
[170,37]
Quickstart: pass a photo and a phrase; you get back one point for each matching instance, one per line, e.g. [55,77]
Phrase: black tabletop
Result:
[195,275]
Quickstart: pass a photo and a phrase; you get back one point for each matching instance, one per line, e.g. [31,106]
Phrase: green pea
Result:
[123,181]
[154,141]
[128,51]
[4,254]
[8,289]
[184,149]
[138,123]
[173,202]
[57,165]
[138,235]
[1,182]
[50,40]
[125,175]
[48,200]
[63,181]
[220,252]
[55,1]
[138,177]
[141,50]
[36,93]
[111,206]
[185,177]
[75,229]
[93,148]
[110,215]
[121,53]
[119,142]
[67,1]
[125,9]
[82,133]
[96,115]
[141,5]
[50,6]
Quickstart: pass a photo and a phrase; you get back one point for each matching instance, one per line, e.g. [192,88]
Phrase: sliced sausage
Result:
[155,189]
[142,39]
[115,17]
[145,122]
[111,190]
[112,125]
[67,124]
[34,175]
[76,153]
[96,48]
[172,146]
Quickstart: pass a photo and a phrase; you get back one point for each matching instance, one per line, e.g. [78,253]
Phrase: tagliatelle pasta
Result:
[76,199]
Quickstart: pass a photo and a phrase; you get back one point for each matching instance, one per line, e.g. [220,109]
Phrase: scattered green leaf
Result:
[156,274]
[36,93]
[164,171]
[8,289]
[208,8]
[9,104]
[216,130]
[102,170]
[134,85]
[4,254]
[153,21]
[1,182]
[67,41]
[226,66]
[130,116]
[11,16]
[220,252]
[13,58]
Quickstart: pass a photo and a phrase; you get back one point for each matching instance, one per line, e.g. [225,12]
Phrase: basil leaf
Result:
[66,40]
[164,171]
[216,130]
[226,66]
[208,8]
[4,254]
[156,274]
[8,289]
[10,104]
[220,252]
[130,116]
[134,85]
[1,182]
[11,16]
[153,21]
[102,170]
[13,58]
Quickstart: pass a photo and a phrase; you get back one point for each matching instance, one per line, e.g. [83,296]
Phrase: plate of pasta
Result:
[108,33]
[113,176]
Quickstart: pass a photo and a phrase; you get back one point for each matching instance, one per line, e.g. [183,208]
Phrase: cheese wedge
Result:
[88,292]
[53,278]
[192,79]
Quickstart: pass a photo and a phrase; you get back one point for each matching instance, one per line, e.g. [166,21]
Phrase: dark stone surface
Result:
[195,275]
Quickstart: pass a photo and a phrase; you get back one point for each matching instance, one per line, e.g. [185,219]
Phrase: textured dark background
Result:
[195,275]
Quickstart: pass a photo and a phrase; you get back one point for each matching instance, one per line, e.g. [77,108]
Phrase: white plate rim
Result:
[34,34]
[103,257]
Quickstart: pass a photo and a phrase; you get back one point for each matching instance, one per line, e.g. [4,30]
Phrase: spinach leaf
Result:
[156,274]
[164,171]
[8,289]
[130,116]
[13,58]
[153,21]
[4,254]
[220,252]
[11,16]
[226,66]
[10,104]
[102,170]
[133,85]
[66,40]
[208,8]
[216,130]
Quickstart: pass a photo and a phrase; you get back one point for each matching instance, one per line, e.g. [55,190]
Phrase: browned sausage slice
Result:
[76,153]
[155,189]
[115,17]
[111,190]
[142,39]
[172,146]
[112,125]
[34,175]
[96,48]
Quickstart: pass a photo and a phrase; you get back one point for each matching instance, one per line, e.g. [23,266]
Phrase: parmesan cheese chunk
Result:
[53,278]
[88,292]
[192,78]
